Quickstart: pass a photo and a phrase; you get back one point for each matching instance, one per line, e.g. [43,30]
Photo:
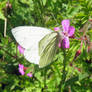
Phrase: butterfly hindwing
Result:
[45,41]
[49,52]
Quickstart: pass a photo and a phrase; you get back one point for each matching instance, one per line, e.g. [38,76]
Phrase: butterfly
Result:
[40,43]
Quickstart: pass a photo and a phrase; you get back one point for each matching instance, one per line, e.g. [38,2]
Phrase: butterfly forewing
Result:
[49,52]
[32,55]
[28,36]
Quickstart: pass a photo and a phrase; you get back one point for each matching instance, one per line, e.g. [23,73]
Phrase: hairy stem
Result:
[5,27]
[61,86]
[44,71]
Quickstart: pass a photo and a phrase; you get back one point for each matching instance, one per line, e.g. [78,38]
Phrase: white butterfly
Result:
[40,43]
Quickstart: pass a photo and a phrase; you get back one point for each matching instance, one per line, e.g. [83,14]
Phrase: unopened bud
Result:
[25,68]
[10,6]
[71,64]
[79,69]
[77,53]
[90,47]
[59,44]
[90,20]
[7,5]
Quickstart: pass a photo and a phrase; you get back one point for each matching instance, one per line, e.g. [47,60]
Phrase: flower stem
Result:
[44,72]
[61,86]
[5,27]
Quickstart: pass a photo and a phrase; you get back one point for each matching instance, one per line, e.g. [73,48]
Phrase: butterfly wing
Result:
[28,36]
[49,52]
[45,41]
[32,55]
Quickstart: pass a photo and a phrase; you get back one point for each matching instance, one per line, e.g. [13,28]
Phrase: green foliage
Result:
[46,13]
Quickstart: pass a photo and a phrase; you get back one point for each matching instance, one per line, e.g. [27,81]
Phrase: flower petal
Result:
[21,69]
[65,42]
[21,49]
[56,28]
[65,25]
[71,31]
[29,74]
[59,44]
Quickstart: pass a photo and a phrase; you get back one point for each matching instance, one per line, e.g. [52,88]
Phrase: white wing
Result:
[32,54]
[28,38]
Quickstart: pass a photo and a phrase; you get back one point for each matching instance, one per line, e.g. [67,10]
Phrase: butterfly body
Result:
[40,44]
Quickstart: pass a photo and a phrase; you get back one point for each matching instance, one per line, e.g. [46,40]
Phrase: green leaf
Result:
[2,15]
[54,1]
[71,80]
[82,76]
[44,2]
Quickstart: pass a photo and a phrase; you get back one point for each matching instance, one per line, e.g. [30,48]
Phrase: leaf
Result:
[54,1]
[82,76]
[1,15]
[71,81]
[44,2]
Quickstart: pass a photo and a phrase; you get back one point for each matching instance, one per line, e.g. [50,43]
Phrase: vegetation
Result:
[71,70]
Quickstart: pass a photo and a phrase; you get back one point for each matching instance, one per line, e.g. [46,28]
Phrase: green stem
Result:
[44,77]
[64,64]
[61,86]
[44,72]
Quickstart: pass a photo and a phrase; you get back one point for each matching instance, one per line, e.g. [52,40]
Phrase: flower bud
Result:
[7,5]
[89,48]
[59,44]
[77,53]
[71,64]
[10,6]
[79,69]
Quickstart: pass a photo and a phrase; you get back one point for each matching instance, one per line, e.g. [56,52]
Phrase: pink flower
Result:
[68,31]
[56,28]
[21,69]
[29,74]
[21,49]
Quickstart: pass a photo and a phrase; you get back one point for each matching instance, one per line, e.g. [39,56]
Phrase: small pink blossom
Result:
[21,49]
[56,28]
[59,44]
[21,69]
[29,74]
[68,31]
